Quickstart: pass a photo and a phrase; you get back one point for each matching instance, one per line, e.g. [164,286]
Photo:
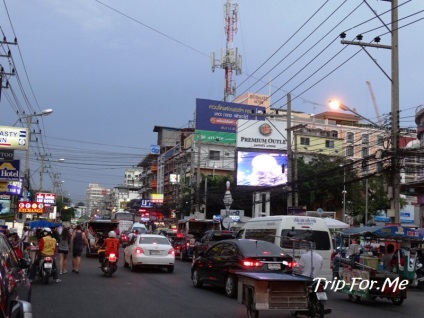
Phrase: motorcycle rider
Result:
[46,247]
[111,245]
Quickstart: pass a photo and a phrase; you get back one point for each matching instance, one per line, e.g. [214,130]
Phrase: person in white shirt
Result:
[310,264]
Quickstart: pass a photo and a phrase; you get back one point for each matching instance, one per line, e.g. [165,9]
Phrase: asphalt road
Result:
[155,293]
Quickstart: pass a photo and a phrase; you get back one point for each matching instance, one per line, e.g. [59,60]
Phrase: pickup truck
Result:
[96,232]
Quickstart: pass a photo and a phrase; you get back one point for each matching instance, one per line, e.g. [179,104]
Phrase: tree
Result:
[67,214]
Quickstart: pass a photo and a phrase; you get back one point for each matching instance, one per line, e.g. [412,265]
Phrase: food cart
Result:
[365,279]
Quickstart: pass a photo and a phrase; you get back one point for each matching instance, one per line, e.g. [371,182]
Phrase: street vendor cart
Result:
[260,291]
[366,279]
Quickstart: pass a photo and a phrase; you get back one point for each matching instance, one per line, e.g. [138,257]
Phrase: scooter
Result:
[45,269]
[109,265]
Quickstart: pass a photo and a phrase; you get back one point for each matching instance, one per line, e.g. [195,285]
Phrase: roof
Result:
[338,117]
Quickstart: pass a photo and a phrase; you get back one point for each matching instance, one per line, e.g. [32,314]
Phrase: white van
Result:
[139,227]
[277,229]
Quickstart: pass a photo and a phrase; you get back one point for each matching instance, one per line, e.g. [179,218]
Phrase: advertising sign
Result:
[46,198]
[30,207]
[13,138]
[262,134]
[7,154]
[215,136]
[222,116]
[9,170]
[11,187]
[4,204]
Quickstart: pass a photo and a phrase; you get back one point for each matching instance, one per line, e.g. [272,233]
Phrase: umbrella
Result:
[335,224]
[42,223]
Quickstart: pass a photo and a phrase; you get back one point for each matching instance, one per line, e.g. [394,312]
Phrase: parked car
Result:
[149,250]
[14,285]
[211,238]
[217,265]
[178,243]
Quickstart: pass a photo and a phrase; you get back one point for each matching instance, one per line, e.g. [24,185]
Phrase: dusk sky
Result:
[111,70]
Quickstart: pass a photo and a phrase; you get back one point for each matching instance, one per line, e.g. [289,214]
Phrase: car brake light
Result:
[171,251]
[188,243]
[139,250]
[251,263]
[47,259]
[292,264]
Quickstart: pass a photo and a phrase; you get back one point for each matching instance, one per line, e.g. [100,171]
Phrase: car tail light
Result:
[47,259]
[251,263]
[171,251]
[139,250]
[291,264]
[188,244]
[112,257]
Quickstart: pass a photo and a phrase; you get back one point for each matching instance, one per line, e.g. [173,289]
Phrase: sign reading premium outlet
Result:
[262,134]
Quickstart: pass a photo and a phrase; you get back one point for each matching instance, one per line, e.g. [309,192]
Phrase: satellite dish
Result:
[227,222]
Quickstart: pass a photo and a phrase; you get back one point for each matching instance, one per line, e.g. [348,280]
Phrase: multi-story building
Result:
[98,199]
[129,190]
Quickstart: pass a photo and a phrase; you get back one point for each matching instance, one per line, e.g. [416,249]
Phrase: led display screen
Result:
[261,168]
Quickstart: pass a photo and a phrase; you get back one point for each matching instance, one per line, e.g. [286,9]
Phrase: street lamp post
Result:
[344,192]
[228,199]
[28,117]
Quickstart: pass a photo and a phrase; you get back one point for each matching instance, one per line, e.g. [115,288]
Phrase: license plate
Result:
[321,296]
[48,265]
[274,267]
[155,252]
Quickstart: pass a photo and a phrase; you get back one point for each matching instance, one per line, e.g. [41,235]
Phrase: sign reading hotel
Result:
[9,170]
[30,207]
[13,138]
[46,198]
[266,134]
[222,116]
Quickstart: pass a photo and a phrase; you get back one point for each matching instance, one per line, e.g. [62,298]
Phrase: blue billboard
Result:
[222,116]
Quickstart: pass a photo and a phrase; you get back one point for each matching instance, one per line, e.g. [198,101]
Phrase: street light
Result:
[335,104]
[228,199]
[28,117]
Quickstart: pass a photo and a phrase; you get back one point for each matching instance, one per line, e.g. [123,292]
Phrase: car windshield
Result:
[222,236]
[140,230]
[153,240]
[251,248]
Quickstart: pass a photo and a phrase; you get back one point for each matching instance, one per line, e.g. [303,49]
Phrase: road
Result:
[155,293]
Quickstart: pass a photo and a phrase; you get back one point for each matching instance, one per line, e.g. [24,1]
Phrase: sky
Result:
[111,70]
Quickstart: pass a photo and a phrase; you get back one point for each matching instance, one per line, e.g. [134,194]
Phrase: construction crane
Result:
[374,102]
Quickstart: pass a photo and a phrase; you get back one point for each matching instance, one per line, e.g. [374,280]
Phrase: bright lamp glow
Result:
[334,104]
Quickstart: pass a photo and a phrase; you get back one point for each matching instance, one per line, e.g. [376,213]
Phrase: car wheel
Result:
[231,286]
[195,278]
[125,263]
[170,269]
[132,266]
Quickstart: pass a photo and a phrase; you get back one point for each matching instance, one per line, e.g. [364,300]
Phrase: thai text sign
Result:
[46,198]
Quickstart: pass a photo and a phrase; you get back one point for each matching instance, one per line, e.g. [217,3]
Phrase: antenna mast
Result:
[230,60]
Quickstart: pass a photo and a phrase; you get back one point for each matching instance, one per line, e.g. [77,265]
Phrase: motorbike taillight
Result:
[47,259]
[112,257]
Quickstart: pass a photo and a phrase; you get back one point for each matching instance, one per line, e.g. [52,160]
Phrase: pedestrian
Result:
[310,263]
[387,258]
[78,241]
[63,250]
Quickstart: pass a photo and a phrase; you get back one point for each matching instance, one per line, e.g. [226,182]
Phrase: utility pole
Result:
[230,60]
[394,137]
[198,176]
[4,74]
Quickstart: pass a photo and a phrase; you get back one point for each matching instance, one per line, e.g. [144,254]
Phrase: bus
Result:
[125,220]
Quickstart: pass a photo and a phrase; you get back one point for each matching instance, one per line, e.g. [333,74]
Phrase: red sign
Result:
[30,207]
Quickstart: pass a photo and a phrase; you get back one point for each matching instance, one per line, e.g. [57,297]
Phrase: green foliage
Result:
[67,214]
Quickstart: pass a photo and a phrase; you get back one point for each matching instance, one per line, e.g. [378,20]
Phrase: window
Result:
[364,152]
[329,144]
[379,167]
[380,141]
[350,138]
[349,151]
[365,139]
[304,141]
[334,133]
[214,155]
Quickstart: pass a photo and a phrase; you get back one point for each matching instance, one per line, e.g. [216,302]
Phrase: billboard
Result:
[11,187]
[4,204]
[46,198]
[262,134]
[13,138]
[222,116]
[260,168]
[30,207]
[9,170]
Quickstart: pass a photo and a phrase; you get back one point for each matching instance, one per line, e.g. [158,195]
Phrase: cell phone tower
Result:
[230,60]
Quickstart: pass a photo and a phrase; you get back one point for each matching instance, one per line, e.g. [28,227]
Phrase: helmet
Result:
[47,231]
[112,234]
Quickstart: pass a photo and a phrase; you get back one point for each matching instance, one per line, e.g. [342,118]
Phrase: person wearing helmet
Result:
[46,247]
[110,245]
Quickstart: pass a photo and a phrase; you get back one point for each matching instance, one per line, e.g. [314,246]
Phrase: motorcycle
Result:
[45,269]
[419,274]
[109,265]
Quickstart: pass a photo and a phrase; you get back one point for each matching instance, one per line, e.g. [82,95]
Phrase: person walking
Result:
[63,250]
[78,241]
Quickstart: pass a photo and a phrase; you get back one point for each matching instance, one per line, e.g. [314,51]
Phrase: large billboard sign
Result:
[30,207]
[262,134]
[14,138]
[260,168]
[221,116]
[9,170]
